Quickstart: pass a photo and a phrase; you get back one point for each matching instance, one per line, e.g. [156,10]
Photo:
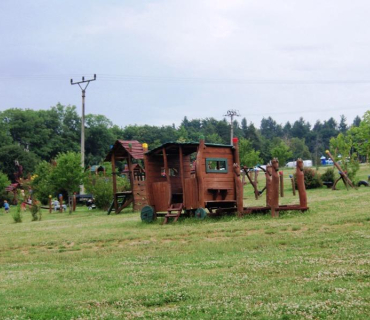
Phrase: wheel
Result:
[147,214]
[362,183]
[200,213]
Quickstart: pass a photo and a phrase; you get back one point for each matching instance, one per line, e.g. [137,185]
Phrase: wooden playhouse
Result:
[191,177]
[129,151]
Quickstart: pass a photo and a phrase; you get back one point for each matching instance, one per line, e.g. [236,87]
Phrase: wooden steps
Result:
[177,207]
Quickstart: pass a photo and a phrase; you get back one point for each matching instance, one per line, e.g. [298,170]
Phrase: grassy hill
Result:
[312,265]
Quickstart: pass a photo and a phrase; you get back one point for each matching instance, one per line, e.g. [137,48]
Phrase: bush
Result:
[17,214]
[328,175]
[101,187]
[312,178]
[35,210]
[351,167]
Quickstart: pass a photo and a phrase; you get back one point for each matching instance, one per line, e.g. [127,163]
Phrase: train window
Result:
[216,165]
[173,172]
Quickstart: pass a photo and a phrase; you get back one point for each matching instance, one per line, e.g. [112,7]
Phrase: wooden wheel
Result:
[147,214]
[200,213]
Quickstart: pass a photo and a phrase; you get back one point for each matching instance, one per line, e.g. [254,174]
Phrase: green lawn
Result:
[312,265]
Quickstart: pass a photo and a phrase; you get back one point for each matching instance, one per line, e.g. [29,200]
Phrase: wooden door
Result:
[161,195]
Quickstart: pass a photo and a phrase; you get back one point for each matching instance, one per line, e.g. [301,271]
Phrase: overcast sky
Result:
[158,61]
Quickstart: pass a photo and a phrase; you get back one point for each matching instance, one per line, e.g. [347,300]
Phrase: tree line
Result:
[31,136]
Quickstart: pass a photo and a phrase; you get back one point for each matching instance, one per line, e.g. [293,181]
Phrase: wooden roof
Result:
[124,148]
[172,148]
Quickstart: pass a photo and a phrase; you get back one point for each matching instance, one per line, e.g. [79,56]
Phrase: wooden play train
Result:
[192,179]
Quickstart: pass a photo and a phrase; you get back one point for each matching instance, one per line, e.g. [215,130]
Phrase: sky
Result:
[161,60]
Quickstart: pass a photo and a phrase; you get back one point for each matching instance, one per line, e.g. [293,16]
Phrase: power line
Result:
[190,80]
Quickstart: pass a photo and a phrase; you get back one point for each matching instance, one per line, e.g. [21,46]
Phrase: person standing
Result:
[6,206]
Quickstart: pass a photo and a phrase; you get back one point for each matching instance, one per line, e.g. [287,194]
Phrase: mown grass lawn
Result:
[312,265]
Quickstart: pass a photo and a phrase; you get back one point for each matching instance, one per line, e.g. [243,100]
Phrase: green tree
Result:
[252,135]
[341,146]
[98,138]
[282,152]
[356,121]
[68,174]
[270,129]
[342,127]
[4,182]
[42,184]
[299,149]
[300,129]
[10,153]
[101,186]
[248,156]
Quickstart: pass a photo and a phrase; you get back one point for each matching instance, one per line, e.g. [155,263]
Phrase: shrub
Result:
[35,210]
[312,178]
[352,166]
[328,175]
[17,214]
[101,187]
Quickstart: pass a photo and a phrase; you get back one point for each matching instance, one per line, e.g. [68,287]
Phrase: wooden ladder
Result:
[177,207]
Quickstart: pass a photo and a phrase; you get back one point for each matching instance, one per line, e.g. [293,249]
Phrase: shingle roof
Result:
[124,148]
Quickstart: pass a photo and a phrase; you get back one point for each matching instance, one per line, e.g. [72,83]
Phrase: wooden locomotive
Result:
[192,177]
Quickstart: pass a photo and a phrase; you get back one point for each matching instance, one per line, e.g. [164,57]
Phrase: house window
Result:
[216,165]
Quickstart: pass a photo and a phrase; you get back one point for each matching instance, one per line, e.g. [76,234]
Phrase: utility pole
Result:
[232,114]
[83,89]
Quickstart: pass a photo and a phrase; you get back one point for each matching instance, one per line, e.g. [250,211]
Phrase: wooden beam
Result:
[167,172]
[182,173]
[114,179]
[199,172]
[238,183]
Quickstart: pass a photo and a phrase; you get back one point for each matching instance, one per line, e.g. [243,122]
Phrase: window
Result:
[216,165]
[173,172]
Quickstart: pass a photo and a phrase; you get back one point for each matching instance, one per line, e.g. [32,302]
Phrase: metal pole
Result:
[232,129]
[82,190]
[231,114]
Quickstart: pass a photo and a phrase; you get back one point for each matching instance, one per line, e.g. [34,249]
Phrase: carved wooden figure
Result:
[268,175]
[274,202]
[300,184]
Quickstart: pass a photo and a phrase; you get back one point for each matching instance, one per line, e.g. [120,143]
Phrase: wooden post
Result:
[342,173]
[114,179]
[132,178]
[167,172]
[182,174]
[300,184]
[275,188]
[199,171]
[61,203]
[281,176]
[130,171]
[293,183]
[74,202]
[238,182]
[243,175]
[268,175]
[50,204]
[256,193]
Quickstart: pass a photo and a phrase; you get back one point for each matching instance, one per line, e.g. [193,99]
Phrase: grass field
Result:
[312,265]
